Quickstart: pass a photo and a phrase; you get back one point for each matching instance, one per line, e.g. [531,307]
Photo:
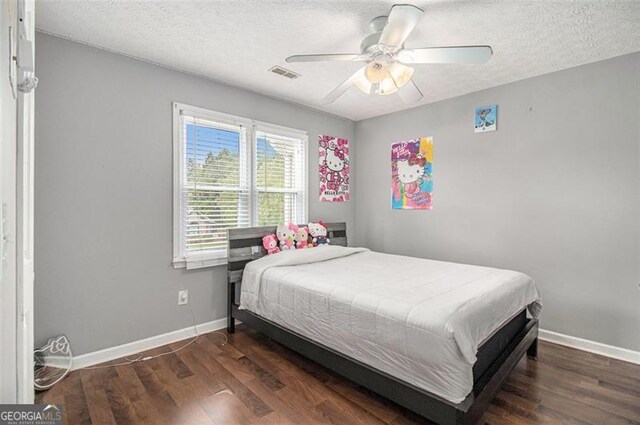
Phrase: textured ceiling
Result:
[238,41]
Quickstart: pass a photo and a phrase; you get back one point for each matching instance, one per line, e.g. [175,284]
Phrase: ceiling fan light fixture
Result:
[362,83]
[401,74]
[376,71]
[386,86]
[388,63]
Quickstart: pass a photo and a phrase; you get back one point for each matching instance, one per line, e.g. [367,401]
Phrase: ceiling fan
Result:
[387,60]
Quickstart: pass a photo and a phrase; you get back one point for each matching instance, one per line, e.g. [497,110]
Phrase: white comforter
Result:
[419,320]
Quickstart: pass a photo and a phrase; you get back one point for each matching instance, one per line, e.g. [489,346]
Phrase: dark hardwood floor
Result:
[252,380]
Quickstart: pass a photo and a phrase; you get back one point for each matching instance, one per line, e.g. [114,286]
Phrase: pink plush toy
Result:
[270,243]
[302,238]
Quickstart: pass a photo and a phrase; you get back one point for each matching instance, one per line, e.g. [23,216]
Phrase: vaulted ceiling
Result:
[236,42]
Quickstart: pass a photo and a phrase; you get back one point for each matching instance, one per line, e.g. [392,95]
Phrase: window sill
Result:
[182,263]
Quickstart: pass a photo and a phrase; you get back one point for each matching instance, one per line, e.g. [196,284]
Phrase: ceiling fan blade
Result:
[454,54]
[403,18]
[327,57]
[410,93]
[342,88]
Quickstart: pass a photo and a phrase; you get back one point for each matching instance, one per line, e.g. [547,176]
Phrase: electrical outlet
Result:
[183,297]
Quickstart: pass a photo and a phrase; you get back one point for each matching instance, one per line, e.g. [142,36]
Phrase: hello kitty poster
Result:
[333,156]
[411,174]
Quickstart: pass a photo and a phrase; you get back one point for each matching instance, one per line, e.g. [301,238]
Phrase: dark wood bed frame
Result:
[496,357]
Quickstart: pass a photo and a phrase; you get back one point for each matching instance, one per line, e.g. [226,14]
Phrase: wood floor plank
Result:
[177,366]
[504,415]
[229,348]
[211,382]
[559,417]
[275,418]
[147,412]
[159,384]
[287,406]
[626,398]
[253,380]
[234,367]
[340,412]
[75,400]
[376,405]
[250,400]
[607,375]
[212,346]
[225,408]
[195,394]
[185,392]
[608,363]
[99,378]
[121,406]
[97,400]
[304,386]
[517,409]
[99,407]
[490,418]
[264,376]
[148,376]
[132,384]
[554,388]
[313,369]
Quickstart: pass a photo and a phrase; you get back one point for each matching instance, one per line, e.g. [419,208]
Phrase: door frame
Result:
[16,196]
[25,222]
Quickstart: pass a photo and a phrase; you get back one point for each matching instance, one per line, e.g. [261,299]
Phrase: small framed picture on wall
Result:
[486,118]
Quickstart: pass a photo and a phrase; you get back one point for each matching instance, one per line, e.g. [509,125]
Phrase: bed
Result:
[438,338]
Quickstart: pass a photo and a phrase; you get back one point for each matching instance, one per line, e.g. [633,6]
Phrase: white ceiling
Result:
[238,41]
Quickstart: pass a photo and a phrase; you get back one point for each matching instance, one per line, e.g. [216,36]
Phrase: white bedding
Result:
[419,320]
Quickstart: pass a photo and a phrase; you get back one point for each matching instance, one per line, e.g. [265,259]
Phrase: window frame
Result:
[252,128]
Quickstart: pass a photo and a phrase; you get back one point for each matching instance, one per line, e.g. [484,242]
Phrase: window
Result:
[231,172]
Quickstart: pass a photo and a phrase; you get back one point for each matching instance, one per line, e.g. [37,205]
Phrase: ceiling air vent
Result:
[284,72]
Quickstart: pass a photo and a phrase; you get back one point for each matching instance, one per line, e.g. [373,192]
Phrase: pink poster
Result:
[333,157]
[411,174]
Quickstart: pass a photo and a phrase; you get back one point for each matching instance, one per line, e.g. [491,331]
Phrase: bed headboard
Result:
[245,244]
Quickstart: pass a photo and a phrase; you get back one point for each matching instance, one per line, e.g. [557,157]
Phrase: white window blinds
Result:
[231,172]
[280,179]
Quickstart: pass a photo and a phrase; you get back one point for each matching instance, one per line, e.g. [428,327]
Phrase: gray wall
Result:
[555,192]
[104,193]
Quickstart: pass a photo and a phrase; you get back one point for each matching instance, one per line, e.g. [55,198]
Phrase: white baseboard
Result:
[590,346]
[108,354]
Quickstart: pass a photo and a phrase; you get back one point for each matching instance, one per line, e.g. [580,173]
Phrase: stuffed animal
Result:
[270,243]
[319,233]
[286,237]
[302,238]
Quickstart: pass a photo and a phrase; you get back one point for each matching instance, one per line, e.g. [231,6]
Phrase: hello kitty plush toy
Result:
[302,238]
[286,237]
[270,243]
[319,232]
